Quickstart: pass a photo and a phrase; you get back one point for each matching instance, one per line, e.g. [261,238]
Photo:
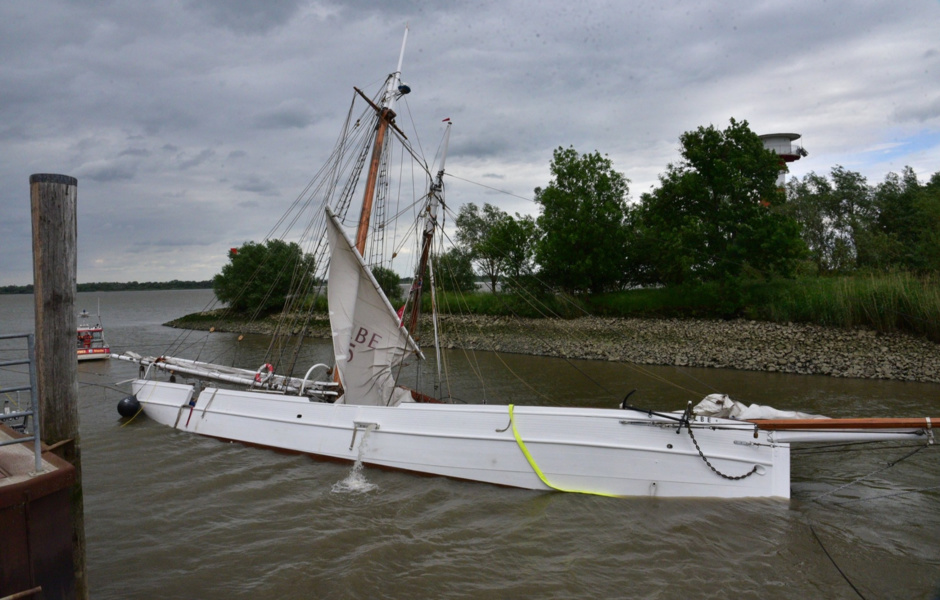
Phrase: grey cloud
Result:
[108,170]
[482,147]
[197,241]
[13,132]
[159,119]
[194,161]
[919,112]
[141,152]
[289,114]
[247,16]
[258,186]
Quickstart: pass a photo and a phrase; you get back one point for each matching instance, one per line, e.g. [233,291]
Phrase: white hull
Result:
[598,451]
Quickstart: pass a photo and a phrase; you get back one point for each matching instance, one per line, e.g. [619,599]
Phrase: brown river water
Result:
[172,515]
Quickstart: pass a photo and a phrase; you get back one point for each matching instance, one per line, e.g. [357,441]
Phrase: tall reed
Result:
[883,302]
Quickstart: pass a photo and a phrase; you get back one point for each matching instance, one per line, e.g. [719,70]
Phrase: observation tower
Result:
[782,145]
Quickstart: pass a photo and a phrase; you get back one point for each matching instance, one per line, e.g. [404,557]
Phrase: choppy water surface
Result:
[172,515]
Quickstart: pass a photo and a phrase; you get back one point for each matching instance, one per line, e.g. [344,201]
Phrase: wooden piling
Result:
[53,200]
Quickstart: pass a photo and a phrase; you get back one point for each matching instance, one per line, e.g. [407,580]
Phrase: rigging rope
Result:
[875,472]
[891,495]
[848,447]
[547,313]
[834,564]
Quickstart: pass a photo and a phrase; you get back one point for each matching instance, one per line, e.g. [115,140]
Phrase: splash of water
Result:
[356,482]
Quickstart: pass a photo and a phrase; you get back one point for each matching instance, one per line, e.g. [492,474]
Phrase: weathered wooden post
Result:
[55,238]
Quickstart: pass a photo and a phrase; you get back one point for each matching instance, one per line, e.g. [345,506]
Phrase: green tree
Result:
[474,233]
[905,227]
[500,244]
[258,277]
[717,214]
[836,218]
[390,282]
[453,271]
[927,204]
[582,238]
[848,224]
[514,238]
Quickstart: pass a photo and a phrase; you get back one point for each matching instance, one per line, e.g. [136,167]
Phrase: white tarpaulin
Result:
[368,339]
[723,407]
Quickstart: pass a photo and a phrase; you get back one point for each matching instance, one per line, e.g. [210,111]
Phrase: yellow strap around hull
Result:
[535,467]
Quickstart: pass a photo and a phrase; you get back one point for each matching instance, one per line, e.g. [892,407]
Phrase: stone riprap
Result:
[736,344]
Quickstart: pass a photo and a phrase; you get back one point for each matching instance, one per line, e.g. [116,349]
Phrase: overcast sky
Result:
[192,125]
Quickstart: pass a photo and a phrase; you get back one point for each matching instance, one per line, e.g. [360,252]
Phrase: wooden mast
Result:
[365,216]
[430,223]
[386,117]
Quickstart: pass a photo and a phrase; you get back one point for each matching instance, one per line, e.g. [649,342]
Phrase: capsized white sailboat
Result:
[331,410]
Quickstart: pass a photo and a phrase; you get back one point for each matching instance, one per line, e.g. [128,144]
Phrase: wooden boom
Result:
[893,423]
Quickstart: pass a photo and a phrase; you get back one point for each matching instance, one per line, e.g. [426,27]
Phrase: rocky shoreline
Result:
[739,344]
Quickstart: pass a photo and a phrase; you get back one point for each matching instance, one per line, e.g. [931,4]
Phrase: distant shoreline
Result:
[131,286]
[737,344]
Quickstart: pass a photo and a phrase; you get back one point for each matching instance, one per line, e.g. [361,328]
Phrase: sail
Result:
[368,338]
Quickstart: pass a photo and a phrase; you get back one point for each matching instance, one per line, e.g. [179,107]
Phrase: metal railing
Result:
[33,389]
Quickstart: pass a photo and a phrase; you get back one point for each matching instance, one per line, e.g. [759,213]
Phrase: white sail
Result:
[368,338]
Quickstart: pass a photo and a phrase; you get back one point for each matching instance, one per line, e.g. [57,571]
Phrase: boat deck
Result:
[18,468]
[35,517]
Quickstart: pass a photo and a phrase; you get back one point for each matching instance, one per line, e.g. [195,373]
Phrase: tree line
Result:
[111,286]
[717,218]
[717,215]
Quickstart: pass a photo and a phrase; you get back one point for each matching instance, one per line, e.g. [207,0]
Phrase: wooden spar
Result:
[386,118]
[378,109]
[428,236]
[889,423]
[362,232]
[416,300]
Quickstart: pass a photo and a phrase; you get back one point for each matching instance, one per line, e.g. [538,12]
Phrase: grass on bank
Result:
[885,303]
